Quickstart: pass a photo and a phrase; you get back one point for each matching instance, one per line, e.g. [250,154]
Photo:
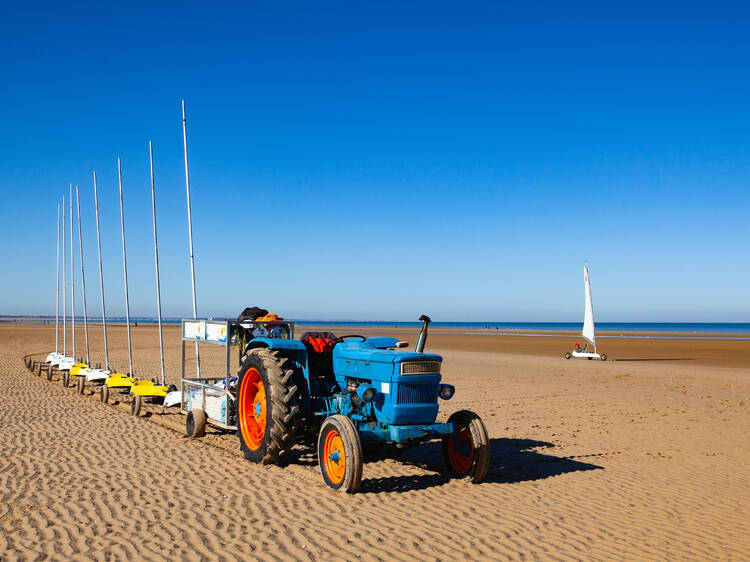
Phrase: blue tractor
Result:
[356,393]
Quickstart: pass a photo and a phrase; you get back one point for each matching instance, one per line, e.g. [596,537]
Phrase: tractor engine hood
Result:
[371,359]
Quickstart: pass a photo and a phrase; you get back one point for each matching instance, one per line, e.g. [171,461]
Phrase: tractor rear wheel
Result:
[340,454]
[267,409]
[467,454]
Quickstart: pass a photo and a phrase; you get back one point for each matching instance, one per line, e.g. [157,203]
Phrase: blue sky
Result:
[382,160]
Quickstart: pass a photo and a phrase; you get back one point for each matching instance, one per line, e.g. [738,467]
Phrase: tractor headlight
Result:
[365,393]
[446,391]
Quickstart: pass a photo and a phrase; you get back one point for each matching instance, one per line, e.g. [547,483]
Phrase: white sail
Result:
[588,316]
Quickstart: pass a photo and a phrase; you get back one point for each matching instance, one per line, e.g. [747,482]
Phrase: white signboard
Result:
[195,329]
[216,331]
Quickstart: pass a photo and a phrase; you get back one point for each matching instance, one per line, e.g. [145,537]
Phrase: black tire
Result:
[135,405]
[267,434]
[27,362]
[31,364]
[472,467]
[604,356]
[49,373]
[195,423]
[589,358]
[567,355]
[65,378]
[338,431]
[104,394]
[81,385]
[38,369]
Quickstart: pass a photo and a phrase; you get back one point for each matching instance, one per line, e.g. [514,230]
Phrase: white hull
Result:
[54,358]
[585,355]
[173,398]
[66,364]
[97,375]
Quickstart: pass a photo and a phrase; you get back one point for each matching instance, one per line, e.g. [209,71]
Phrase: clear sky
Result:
[378,160]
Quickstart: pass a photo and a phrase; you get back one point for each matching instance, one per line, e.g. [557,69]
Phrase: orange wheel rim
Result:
[253,410]
[334,458]
[461,450]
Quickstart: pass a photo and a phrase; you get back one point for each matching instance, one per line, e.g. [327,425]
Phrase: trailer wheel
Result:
[39,369]
[81,385]
[49,373]
[195,423]
[135,405]
[604,357]
[267,410]
[104,394]
[467,454]
[65,378]
[340,454]
[567,355]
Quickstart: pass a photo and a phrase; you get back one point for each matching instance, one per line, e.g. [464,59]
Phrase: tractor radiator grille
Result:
[420,367]
[417,393]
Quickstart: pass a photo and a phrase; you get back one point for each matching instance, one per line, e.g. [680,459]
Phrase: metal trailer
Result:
[213,395]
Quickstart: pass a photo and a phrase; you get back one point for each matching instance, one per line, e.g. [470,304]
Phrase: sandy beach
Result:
[640,457]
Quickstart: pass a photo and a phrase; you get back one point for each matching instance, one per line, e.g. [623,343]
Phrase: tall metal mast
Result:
[65,285]
[101,275]
[83,279]
[125,269]
[156,261]
[72,278]
[57,286]
[190,232]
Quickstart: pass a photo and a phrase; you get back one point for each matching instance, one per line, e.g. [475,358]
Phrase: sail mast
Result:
[101,275]
[156,261]
[72,279]
[57,286]
[125,270]
[190,233]
[65,285]
[83,279]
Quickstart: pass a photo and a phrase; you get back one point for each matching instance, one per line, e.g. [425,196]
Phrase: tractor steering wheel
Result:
[340,339]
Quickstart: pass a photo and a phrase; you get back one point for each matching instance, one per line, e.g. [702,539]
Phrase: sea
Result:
[614,328]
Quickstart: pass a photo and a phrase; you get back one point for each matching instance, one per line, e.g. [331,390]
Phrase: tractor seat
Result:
[319,356]
[317,343]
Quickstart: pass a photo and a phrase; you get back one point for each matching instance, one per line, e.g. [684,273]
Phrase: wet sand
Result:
[643,456]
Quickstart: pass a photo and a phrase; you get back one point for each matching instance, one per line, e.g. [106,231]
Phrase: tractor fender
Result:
[293,349]
[276,343]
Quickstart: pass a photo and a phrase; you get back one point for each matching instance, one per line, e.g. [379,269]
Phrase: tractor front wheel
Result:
[267,410]
[467,453]
[340,454]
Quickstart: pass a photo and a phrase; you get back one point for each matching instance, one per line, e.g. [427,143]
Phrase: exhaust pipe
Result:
[422,337]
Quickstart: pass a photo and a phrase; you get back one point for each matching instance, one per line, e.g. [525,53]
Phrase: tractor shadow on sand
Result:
[512,460]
